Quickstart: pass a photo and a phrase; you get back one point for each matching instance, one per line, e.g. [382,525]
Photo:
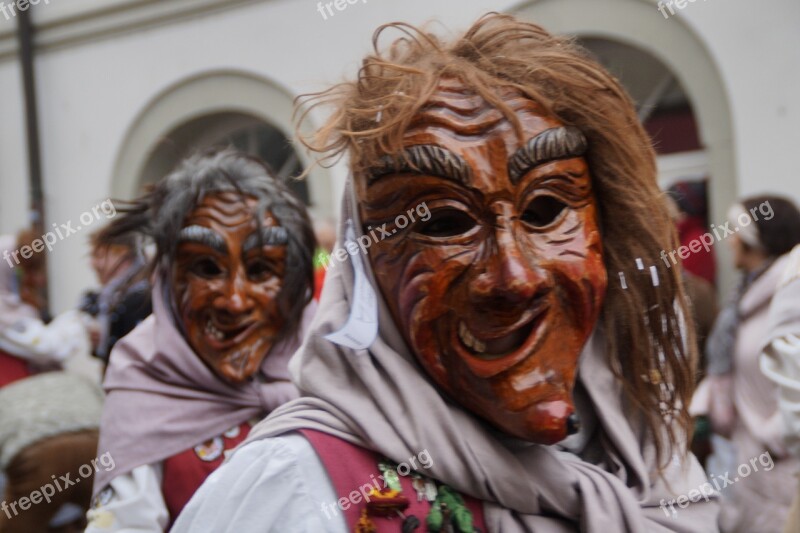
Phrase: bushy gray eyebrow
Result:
[424,159]
[556,143]
[205,236]
[266,236]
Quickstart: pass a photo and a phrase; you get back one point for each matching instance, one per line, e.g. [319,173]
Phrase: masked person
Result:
[496,180]
[233,280]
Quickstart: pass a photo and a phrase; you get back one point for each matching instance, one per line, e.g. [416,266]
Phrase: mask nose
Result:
[236,299]
[509,278]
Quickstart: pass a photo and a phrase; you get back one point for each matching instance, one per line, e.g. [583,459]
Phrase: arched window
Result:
[223,129]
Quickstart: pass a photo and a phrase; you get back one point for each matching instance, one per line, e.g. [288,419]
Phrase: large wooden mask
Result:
[498,290]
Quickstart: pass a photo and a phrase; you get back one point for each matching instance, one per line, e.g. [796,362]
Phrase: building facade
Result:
[126,87]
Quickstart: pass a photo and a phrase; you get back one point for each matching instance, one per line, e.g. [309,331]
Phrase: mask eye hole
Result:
[543,211]
[259,270]
[446,223]
[206,268]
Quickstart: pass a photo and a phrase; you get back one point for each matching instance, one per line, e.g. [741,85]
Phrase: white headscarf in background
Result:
[22,332]
[12,308]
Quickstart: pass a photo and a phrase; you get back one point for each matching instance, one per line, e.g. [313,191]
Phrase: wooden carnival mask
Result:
[498,290]
[227,276]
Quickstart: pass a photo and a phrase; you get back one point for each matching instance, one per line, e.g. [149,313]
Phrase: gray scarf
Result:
[722,339]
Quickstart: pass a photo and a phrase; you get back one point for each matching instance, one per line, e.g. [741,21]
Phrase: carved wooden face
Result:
[498,290]
[227,276]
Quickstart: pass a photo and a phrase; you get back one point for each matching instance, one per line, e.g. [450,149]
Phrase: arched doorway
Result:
[663,107]
[217,108]
[228,129]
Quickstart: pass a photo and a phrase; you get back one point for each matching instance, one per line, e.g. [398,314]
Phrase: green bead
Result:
[435,518]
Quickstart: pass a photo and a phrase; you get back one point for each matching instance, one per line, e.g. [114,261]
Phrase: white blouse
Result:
[131,503]
[277,484]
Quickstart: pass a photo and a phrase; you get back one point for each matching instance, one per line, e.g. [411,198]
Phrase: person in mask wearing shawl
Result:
[496,180]
[233,282]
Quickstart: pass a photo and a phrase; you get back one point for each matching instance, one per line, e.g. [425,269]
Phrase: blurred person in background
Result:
[232,296]
[123,300]
[780,362]
[741,402]
[692,222]
[13,309]
[28,343]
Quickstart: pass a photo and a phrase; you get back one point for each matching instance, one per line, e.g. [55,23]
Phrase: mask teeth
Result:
[213,332]
[469,339]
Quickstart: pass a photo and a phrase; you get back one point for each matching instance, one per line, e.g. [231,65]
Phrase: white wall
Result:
[757,47]
[92,90]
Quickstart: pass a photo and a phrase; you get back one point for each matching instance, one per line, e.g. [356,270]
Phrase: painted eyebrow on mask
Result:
[426,159]
[266,236]
[556,143]
[205,236]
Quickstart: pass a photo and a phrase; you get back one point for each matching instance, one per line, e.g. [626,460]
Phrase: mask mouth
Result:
[488,353]
[493,348]
[222,334]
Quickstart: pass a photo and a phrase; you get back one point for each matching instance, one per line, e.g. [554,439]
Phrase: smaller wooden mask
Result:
[228,272]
